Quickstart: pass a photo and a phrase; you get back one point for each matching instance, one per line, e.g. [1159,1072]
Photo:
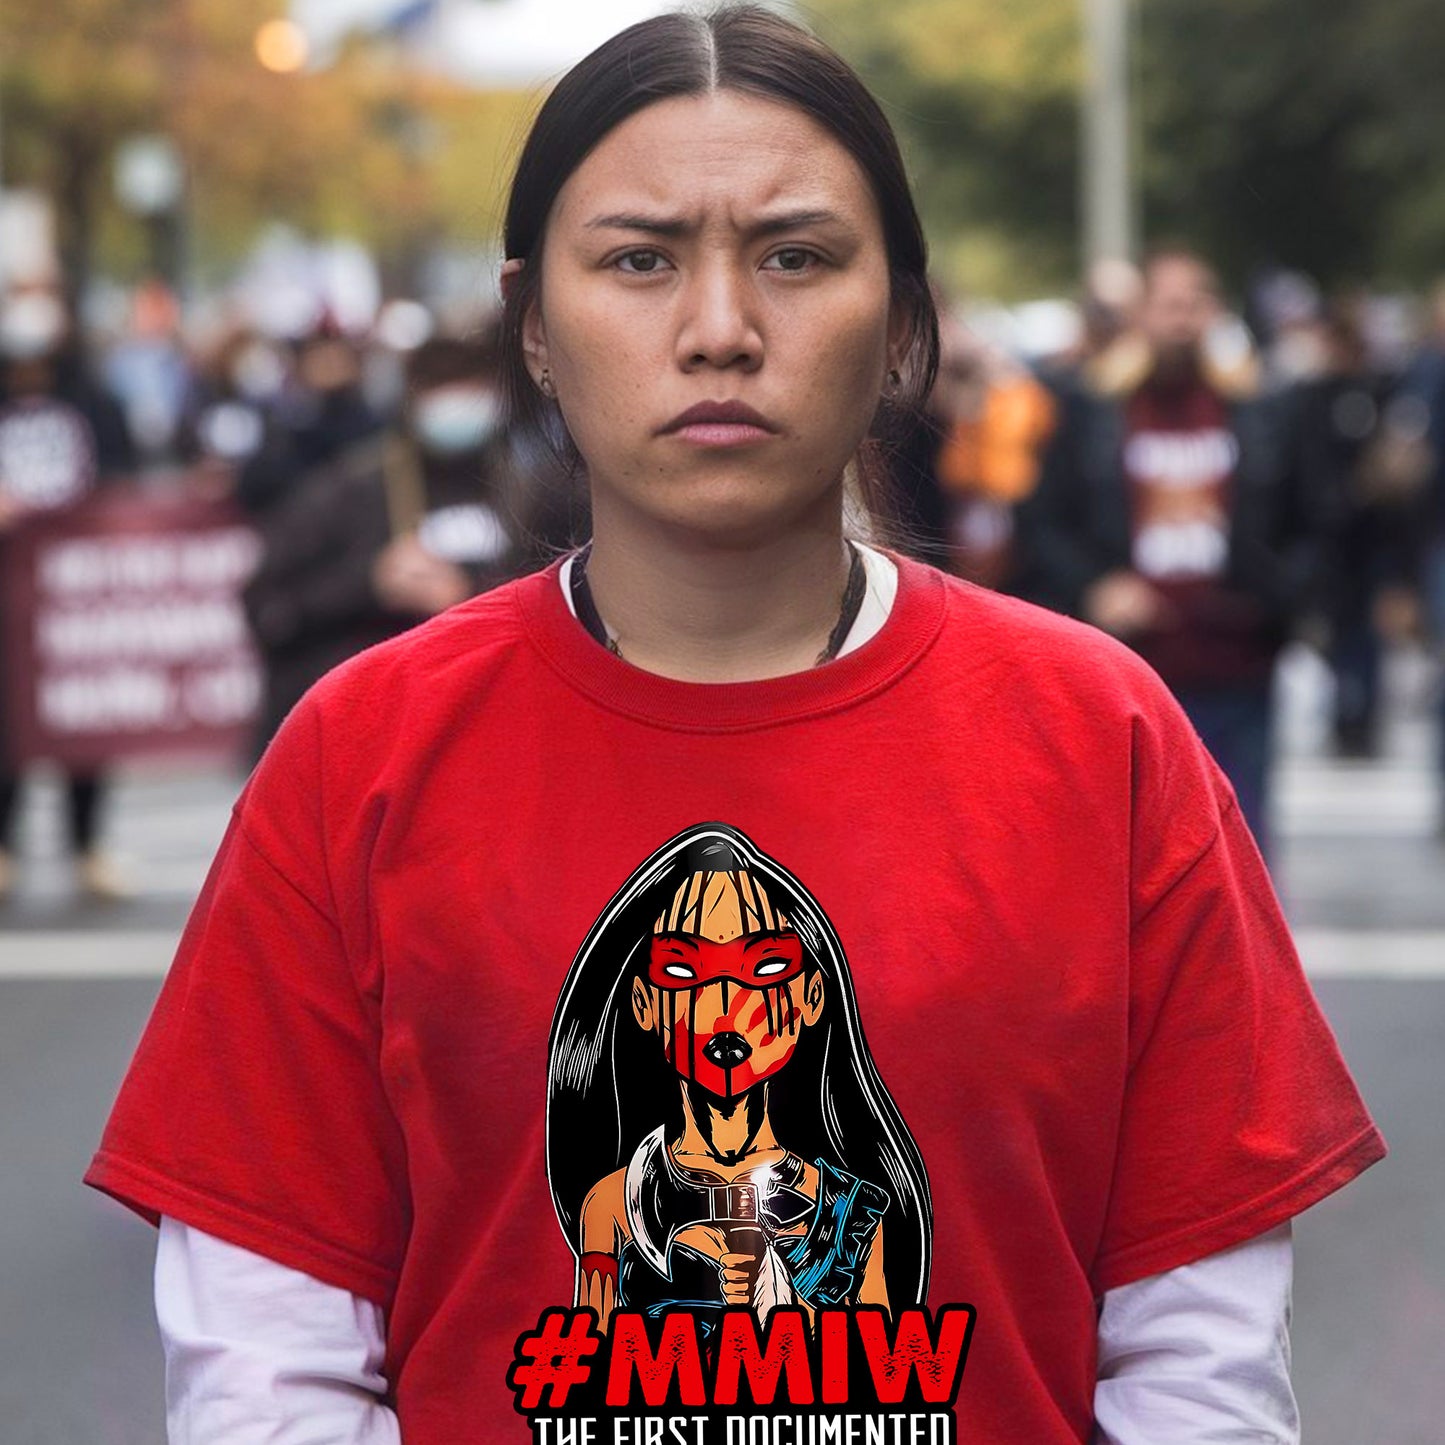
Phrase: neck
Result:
[1175,370]
[725,1132]
[700,609]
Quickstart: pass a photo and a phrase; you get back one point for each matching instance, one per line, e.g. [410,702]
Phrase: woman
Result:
[1078,993]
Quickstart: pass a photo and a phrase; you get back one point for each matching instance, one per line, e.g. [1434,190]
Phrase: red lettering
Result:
[677,1358]
[786,1353]
[938,1366]
[833,1331]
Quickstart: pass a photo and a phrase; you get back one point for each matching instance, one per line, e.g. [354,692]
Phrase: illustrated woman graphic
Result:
[717,1132]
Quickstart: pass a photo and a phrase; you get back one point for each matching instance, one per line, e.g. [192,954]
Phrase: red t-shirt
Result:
[1068,1042]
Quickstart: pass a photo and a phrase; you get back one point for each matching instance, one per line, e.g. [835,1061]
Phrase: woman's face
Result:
[722,250]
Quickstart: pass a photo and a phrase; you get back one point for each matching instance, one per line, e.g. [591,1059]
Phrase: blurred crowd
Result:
[372,464]
[1207,484]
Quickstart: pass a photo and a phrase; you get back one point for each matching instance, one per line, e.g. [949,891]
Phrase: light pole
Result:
[1106,192]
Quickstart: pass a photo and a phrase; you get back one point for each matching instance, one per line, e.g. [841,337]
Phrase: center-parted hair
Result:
[751,51]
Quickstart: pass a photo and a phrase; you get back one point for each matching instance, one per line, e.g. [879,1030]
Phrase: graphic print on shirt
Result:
[740,1194]
[1181,483]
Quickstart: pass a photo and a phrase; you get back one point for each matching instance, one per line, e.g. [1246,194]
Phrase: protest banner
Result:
[123,631]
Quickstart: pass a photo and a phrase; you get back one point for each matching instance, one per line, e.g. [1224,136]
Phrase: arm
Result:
[319,545]
[257,1352]
[1201,1352]
[1060,555]
[602,1235]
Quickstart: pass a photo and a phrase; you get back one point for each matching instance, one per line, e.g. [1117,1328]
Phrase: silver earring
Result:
[545,384]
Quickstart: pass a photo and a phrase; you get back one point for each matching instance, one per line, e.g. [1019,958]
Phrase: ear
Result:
[900,335]
[534,334]
[642,1009]
[511,273]
[813,1000]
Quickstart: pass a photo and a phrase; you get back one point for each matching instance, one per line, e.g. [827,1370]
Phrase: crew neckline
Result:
[880,587]
[911,626]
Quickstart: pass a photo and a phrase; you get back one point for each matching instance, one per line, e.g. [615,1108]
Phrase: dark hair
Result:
[607,1092]
[741,48]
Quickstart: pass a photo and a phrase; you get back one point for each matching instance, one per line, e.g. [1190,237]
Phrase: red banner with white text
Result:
[123,631]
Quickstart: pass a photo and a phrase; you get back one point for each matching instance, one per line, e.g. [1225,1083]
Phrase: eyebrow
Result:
[669,226]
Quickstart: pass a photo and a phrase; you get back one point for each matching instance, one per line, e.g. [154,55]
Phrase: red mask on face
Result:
[727,1006]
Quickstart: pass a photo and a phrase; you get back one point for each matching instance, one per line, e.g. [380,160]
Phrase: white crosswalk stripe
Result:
[1315,798]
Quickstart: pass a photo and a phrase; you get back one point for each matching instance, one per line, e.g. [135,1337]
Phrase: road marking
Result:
[1342,800]
[87,953]
[81,954]
[1372,953]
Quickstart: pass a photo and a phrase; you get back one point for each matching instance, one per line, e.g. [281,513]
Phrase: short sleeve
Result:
[1238,1111]
[254,1108]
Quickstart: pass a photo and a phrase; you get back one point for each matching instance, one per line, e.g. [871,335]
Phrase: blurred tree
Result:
[985,100]
[1290,132]
[1281,131]
[364,148]
[75,80]
[1269,130]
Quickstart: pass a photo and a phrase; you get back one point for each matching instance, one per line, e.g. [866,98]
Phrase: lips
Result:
[727,1051]
[720,414]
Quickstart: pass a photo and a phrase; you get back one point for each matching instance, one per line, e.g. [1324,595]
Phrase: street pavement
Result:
[1361,868]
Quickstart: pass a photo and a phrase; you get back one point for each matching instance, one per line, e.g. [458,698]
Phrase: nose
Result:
[719,325]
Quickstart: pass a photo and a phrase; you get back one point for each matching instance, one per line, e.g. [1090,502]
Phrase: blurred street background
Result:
[249,424]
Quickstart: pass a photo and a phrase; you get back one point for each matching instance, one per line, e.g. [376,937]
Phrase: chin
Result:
[735,511]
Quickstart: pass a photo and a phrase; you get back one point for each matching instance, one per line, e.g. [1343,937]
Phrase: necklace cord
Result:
[853,593]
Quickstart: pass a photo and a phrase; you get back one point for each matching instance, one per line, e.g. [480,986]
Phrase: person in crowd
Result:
[396,529]
[319,413]
[1422,392]
[973,457]
[1363,458]
[148,370]
[1108,308]
[1000,418]
[60,437]
[1170,515]
[229,424]
[734,920]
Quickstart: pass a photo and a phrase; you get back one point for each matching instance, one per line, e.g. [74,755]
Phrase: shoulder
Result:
[454,652]
[604,1211]
[1043,659]
[383,716]
[1080,713]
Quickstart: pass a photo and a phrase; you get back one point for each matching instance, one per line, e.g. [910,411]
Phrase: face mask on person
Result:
[258,373]
[453,420]
[32,327]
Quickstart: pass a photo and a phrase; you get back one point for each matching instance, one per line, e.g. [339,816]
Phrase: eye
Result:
[772,966]
[793,260]
[679,970]
[639,263]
